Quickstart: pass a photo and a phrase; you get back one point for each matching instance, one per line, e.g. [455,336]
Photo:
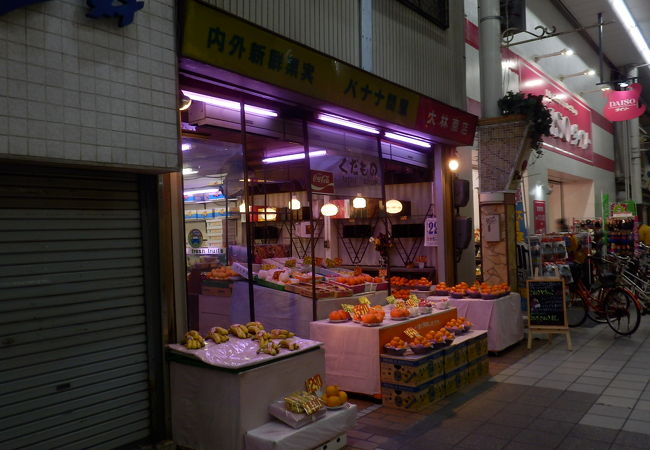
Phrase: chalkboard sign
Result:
[546,307]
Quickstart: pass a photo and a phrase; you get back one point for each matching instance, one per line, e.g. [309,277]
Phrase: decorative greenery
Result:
[532,107]
[383,244]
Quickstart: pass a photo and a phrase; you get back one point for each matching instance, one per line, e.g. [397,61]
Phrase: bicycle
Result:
[604,300]
[635,276]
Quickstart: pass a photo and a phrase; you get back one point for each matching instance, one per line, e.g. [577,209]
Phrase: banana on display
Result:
[269,347]
[261,335]
[239,331]
[219,330]
[217,337]
[254,327]
[289,345]
[193,340]
[281,334]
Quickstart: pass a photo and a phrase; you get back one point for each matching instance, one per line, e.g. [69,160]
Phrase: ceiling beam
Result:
[575,23]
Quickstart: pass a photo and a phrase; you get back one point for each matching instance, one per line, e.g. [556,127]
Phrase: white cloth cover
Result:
[278,436]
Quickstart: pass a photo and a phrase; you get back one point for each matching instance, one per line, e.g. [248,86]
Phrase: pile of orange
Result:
[460,288]
[420,340]
[460,323]
[222,273]
[401,293]
[374,316]
[339,314]
[399,312]
[399,281]
[356,279]
[333,396]
[396,342]
[494,289]
[440,336]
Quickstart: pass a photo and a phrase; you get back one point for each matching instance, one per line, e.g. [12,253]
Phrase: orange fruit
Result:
[333,400]
[331,391]
[343,397]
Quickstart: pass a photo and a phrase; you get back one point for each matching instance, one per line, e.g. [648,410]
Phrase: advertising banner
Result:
[623,105]
[571,126]
[539,207]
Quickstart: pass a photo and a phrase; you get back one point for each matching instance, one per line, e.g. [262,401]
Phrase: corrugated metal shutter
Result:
[73,355]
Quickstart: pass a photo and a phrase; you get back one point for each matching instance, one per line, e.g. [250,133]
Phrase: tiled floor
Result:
[596,396]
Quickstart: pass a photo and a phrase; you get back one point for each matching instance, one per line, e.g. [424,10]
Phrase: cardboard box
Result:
[412,370]
[216,291]
[456,379]
[477,347]
[455,356]
[413,398]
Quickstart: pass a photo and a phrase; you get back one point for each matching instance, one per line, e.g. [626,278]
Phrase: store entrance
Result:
[570,197]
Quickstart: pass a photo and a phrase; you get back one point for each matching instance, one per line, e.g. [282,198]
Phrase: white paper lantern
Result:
[329,209]
[359,202]
[242,207]
[393,206]
[294,204]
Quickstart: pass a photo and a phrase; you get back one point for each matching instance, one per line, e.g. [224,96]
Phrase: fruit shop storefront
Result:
[309,187]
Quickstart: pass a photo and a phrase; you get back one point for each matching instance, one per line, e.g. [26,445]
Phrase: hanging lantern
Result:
[393,206]
[329,209]
[294,204]
[242,207]
[453,164]
[359,202]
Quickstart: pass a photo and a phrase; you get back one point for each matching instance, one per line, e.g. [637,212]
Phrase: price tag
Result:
[431,232]
[412,333]
[400,304]
[347,308]
[360,310]
[413,300]
[390,299]
[383,273]
[314,383]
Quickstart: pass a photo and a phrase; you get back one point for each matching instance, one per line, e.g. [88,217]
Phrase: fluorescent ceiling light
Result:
[407,139]
[347,123]
[189,171]
[201,191]
[628,22]
[229,104]
[186,147]
[567,52]
[293,156]
[533,83]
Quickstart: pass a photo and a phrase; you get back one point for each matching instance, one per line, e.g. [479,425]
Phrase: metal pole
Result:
[600,44]
[490,57]
[247,204]
[312,239]
[635,152]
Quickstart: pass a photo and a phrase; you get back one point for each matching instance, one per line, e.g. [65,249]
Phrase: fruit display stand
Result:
[413,382]
[352,350]
[501,317]
[215,399]
[276,309]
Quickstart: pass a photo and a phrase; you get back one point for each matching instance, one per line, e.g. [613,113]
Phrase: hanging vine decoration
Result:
[544,32]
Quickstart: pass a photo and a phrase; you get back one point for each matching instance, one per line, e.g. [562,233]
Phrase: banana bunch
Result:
[281,334]
[261,335]
[268,347]
[254,327]
[289,345]
[239,331]
[218,335]
[193,340]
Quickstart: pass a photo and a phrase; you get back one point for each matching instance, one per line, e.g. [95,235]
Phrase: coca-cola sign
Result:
[623,105]
[322,182]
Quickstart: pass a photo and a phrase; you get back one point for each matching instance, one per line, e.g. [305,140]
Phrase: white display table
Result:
[352,350]
[275,309]
[501,317]
[278,436]
[213,408]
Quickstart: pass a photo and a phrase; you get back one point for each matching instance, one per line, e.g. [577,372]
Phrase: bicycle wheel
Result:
[597,315]
[576,310]
[622,311]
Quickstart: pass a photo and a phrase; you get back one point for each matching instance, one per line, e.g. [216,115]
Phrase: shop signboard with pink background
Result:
[571,133]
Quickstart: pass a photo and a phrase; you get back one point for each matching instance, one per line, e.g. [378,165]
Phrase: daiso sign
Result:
[571,127]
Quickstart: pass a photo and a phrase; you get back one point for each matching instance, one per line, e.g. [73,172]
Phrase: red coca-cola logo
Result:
[322,181]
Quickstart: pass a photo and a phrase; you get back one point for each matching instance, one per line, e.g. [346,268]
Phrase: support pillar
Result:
[498,238]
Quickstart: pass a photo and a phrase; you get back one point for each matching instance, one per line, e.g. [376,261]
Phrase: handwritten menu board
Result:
[546,307]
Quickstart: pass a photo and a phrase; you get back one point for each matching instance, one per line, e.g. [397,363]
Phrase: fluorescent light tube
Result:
[407,139]
[347,123]
[229,104]
[186,147]
[189,171]
[293,156]
[628,22]
[201,191]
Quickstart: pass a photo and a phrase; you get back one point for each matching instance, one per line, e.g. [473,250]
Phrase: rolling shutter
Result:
[73,336]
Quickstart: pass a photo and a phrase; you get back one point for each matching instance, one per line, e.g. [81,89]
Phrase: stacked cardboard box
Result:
[416,381]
